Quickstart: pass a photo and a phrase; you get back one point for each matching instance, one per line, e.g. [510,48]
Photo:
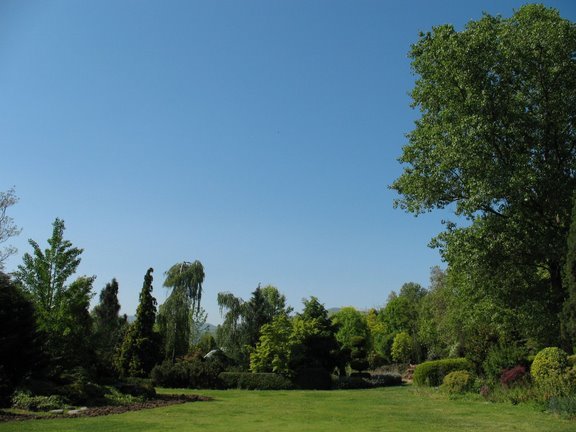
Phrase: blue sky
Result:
[258,137]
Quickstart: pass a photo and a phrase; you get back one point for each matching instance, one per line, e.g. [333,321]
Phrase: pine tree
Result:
[140,348]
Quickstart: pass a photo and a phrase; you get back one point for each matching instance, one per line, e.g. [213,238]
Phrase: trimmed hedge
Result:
[188,374]
[432,373]
[353,382]
[254,381]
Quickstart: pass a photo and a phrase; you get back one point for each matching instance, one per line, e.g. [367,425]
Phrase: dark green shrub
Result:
[313,379]
[255,381]
[500,358]
[385,380]
[138,390]
[170,374]
[457,382]
[25,401]
[572,360]
[6,388]
[350,383]
[84,393]
[361,381]
[194,373]
[433,372]
[565,405]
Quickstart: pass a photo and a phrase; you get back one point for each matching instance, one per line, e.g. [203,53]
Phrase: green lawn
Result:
[389,409]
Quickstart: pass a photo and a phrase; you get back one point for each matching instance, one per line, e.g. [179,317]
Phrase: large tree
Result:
[496,143]
[243,320]
[180,316]
[108,327]
[7,227]
[61,309]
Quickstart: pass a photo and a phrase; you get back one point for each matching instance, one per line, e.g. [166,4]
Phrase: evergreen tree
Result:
[568,321]
[319,348]
[140,348]
[108,327]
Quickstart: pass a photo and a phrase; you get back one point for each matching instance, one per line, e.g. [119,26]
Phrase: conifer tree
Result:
[108,327]
[140,348]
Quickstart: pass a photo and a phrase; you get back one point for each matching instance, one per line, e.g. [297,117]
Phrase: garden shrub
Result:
[313,379]
[572,360]
[456,382]
[512,376]
[350,383]
[563,405]
[25,401]
[141,390]
[365,382]
[254,381]
[500,358]
[432,373]
[6,388]
[549,364]
[193,373]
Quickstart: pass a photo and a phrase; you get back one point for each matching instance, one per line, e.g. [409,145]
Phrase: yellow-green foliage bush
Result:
[459,381]
[432,373]
[549,364]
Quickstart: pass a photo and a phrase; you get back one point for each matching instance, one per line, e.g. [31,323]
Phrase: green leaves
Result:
[496,142]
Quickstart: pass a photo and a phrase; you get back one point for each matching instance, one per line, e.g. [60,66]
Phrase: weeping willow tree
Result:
[181,316]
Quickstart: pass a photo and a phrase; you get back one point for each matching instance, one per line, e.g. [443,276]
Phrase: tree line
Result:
[495,143]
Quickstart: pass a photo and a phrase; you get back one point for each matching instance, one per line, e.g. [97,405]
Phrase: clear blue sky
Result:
[258,137]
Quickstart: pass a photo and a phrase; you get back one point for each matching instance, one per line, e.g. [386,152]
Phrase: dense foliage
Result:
[495,142]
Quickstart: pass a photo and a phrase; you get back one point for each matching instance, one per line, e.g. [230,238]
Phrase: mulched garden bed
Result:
[159,401]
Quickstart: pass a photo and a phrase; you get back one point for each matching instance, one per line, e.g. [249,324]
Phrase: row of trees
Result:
[496,143]
[48,327]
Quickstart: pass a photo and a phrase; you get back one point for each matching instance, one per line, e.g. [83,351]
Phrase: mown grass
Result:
[388,409]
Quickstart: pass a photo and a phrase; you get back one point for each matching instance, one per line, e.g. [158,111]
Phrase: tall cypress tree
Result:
[568,321]
[108,327]
[140,348]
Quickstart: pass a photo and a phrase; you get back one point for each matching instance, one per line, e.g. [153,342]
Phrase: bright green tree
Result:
[62,310]
[350,324]
[140,348]
[402,348]
[495,143]
[243,320]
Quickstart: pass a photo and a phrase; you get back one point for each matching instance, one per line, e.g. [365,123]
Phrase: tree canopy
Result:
[496,143]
